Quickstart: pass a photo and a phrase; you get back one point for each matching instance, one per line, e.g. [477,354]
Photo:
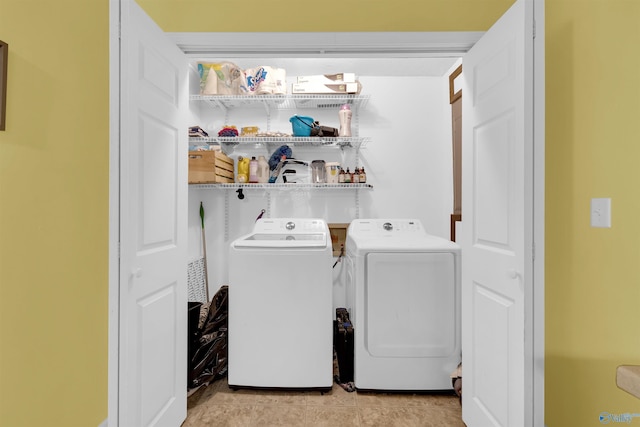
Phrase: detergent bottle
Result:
[243,169]
[263,170]
[253,170]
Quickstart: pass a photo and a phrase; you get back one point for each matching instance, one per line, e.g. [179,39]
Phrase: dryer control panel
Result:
[386,226]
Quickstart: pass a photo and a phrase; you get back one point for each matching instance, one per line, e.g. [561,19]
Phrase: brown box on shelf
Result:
[210,167]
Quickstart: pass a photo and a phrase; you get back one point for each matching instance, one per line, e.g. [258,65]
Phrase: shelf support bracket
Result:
[268,204]
[226,216]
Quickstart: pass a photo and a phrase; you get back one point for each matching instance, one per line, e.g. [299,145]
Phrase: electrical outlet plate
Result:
[601,213]
[338,236]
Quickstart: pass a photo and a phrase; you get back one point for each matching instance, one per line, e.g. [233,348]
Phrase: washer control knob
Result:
[387,226]
[290,225]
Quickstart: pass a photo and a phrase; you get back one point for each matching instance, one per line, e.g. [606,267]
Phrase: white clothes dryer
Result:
[280,306]
[403,292]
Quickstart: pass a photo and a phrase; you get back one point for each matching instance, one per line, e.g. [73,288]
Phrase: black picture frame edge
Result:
[4,59]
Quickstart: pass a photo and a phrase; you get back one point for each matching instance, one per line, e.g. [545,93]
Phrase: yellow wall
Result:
[592,276]
[54,190]
[53,214]
[355,15]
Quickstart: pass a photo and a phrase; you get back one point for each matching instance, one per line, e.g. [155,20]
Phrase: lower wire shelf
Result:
[281,186]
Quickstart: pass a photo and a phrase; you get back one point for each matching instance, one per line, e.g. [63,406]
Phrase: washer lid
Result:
[381,244]
[282,240]
[406,235]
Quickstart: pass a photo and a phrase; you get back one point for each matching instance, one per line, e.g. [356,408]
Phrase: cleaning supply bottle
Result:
[347,177]
[253,170]
[263,170]
[363,176]
[243,169]
[275,172]
[345,120]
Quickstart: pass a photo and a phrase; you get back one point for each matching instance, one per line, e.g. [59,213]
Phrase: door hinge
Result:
[533,251]
[534,28]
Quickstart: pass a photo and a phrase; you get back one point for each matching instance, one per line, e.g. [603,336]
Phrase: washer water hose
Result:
[339,256]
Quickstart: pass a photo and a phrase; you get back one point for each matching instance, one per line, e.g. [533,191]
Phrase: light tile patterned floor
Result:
[218,405]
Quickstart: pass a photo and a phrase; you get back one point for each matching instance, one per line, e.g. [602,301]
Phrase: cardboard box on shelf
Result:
[210,167]
[328,78]
[322,88]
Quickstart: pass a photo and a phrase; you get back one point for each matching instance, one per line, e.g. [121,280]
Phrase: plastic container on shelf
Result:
[333,170]
[263,170]
[253,170]
[301,125]
[318,172]
[243,169]
[249,131]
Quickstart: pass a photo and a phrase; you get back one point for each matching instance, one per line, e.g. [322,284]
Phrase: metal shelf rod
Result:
[281,187]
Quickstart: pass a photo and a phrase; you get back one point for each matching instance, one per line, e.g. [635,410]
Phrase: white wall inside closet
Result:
[408,159]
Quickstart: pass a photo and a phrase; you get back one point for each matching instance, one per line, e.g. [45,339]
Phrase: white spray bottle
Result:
[345,120]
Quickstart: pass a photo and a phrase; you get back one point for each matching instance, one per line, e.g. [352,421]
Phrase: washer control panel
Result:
[290,225]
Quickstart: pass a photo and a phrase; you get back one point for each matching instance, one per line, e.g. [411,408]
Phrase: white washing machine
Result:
[280,306]
[403,292]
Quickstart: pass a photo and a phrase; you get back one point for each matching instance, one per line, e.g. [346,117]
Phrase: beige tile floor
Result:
[218,405]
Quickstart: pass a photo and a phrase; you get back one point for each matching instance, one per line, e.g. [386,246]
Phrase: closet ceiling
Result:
[366,54]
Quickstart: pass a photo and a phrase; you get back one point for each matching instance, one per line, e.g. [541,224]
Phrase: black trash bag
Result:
[193,337]
[209,359]
[343,350]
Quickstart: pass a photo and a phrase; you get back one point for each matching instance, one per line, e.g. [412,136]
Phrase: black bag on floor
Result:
[193,331]
[343,344]
[208,360]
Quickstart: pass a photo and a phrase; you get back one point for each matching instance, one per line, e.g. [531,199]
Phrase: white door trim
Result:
[446,44]
[331,45]
[536,295]
[114,214]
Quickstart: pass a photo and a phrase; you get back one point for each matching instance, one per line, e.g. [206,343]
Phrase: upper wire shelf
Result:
[282,102]
[354,142]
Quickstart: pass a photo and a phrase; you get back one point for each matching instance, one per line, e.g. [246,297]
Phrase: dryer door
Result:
[411,307]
